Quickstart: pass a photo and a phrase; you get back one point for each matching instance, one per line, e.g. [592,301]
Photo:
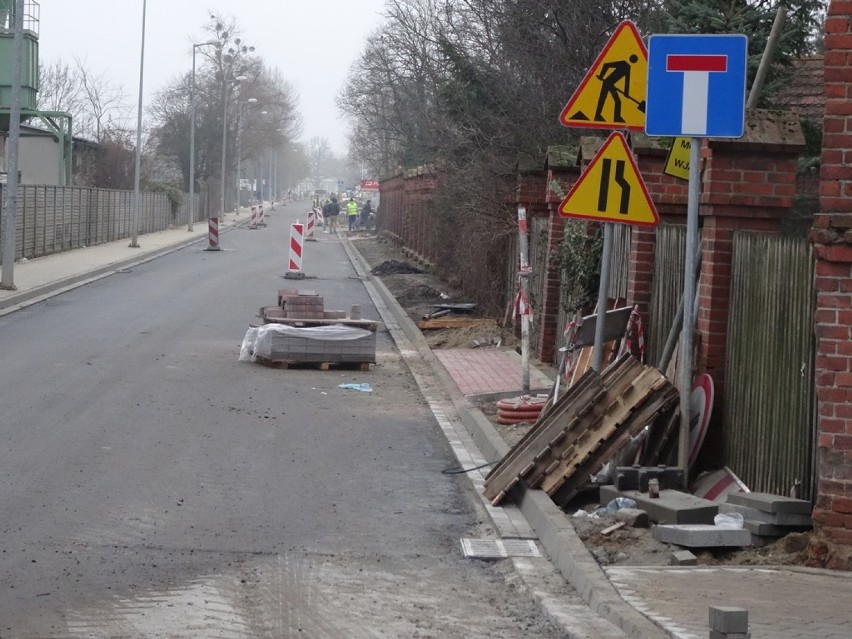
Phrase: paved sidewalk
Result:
[478,371]
[44,276]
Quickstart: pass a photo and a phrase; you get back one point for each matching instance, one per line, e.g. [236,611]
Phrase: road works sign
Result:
[677,161]
[611,189]
[696,85]
[612,95]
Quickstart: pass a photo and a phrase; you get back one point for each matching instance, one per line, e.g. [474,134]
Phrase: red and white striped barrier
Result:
[320,216]
[260,220]
[297,237]
[213,234]
[309,230]
[253,224]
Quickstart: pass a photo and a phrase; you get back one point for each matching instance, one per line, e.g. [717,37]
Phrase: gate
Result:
[769,424]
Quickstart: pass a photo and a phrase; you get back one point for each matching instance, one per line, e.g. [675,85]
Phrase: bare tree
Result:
[106,105]
[59,88]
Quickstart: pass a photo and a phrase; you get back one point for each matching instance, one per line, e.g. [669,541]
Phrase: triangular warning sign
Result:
[611,189]
[612,95]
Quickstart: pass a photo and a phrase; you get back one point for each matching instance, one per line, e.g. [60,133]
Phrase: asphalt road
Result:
[152,485]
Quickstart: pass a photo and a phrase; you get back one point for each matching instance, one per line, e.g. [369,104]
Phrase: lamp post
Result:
[239,152]
[192,133]
[237,79]
[133,240]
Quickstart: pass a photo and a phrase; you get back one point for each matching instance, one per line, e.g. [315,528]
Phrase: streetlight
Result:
[237,79]
[239,153]
[133,240]
[215,43]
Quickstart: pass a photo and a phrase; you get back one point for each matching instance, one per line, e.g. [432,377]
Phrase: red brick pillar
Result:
[832,240]
[749,184]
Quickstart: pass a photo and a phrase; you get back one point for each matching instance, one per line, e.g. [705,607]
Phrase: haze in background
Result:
[312,42]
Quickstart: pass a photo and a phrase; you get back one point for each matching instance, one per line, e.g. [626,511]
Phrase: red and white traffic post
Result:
[261,221]
[297,238]
[309,231]
[213,234]
[253,224]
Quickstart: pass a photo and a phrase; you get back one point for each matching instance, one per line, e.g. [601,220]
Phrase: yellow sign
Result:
[611,189]
[677,161]
[612,95]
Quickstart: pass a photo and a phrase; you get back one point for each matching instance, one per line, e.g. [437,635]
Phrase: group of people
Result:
[357,219]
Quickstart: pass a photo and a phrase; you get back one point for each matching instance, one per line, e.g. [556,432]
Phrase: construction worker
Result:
[352,214]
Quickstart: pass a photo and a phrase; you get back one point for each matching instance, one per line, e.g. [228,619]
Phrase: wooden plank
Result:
[566,489]
[615,415]
[582,413]
[606,532]
[456,322]
[323,366]
[520,459]
[565,422]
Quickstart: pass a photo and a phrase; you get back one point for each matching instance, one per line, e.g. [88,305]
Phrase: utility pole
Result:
[7,281]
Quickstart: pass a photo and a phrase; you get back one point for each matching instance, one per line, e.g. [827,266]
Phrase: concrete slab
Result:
[702,536]
[776,519]
[760,529]
[671,507]
[769,503]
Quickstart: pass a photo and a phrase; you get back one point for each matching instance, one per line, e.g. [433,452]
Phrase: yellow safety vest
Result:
[352,208]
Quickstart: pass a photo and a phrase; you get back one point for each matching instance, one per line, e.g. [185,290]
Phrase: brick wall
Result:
[832,239]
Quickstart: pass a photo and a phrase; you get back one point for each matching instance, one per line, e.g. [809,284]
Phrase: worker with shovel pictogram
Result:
[611,73]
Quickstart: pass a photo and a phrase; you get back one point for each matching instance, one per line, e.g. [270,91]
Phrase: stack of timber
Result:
[583,430]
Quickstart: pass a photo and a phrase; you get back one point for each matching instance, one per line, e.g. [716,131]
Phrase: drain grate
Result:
[499,548]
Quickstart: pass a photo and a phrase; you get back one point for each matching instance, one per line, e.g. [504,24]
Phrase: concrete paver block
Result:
[701,536]
[683,558]
[671,507]
[715,634]
[770,503]
[762,529]
[777,519]
[728,619]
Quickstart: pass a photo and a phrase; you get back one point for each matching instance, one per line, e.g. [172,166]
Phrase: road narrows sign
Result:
[611,189]
[612,94]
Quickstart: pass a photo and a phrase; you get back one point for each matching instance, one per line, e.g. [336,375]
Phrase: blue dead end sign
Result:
[696,85]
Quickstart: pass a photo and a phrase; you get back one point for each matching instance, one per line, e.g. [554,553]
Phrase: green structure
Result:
[57,122]
[29,70]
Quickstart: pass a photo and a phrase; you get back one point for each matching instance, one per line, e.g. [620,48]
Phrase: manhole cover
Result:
[499,548]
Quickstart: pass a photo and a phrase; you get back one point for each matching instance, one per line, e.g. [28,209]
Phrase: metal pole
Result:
[766,59]
[133,240]
[224,142]
[603,290]
[685,355]
[7,281]
[192,144]
[523,276]
[239,154]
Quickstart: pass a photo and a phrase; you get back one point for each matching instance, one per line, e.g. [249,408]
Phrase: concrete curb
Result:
[555,532]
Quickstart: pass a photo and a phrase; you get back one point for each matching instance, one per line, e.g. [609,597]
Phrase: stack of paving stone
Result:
[768,516]
[298,330]
[299,305]
[728,623]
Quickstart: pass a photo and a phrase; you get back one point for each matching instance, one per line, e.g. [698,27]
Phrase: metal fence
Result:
[52,219]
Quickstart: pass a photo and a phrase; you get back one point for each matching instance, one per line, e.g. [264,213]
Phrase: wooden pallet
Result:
[584,429]
[322,366]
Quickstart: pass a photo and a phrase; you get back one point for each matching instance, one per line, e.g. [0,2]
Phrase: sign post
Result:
[611,96]
[705,74]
